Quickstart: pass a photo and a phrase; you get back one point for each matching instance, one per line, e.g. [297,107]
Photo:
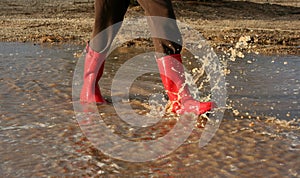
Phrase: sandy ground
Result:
[267,28]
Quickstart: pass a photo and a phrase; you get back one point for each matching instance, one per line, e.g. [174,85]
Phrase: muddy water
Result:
[39,134]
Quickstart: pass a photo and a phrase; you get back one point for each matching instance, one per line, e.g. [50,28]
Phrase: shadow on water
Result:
[39,135]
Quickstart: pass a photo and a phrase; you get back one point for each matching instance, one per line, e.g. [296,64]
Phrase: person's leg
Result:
[166,35]
[108,17]
[167,40]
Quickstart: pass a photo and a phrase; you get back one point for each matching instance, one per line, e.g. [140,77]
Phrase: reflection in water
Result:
[39,135]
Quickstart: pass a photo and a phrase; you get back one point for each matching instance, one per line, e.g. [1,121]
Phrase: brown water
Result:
[39,134]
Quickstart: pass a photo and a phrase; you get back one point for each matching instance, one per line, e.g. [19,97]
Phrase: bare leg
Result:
[109,15]
[166,35]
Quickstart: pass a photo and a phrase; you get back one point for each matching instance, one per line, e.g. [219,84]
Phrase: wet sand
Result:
[274,29]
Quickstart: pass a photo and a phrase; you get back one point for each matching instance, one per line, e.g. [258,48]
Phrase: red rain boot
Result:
[173,79]
[93,70]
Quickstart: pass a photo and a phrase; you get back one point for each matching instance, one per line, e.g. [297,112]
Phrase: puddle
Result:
[40,137]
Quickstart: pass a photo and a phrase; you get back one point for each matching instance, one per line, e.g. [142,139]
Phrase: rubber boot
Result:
[93,70]
[173,79]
